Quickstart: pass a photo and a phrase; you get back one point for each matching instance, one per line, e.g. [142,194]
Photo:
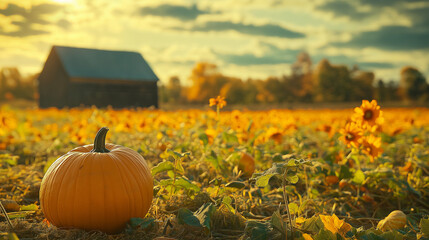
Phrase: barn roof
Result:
[103,64]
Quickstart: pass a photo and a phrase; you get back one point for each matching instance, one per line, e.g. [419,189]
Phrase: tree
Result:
[332,83]
[412,86]
[362,85]
[174,90]
[300,82]
[206,82]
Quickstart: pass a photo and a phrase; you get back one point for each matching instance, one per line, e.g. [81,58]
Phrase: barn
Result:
[73,77]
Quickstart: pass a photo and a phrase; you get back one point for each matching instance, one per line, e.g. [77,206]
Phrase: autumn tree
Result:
[174,90]
[412,86]
[362,85]
[206,82]
[331,83]
[301,80]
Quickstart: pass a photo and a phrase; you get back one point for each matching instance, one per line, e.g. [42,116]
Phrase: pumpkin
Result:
[331,179]
[10,205]
[395,220]
[246,165]
[97,187]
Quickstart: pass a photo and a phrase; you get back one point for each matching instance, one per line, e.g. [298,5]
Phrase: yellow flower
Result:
[351,134]
[218,101]
[372,147]
[368,113]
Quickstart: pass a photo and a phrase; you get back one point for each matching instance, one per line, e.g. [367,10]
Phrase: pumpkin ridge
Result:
[76,207]
[143,172]
[59,177]
[130,192]
[131,160]
[43,187]
[64,193]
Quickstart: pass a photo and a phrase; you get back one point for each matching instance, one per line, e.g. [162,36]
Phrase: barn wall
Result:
[103,94]
[53,82]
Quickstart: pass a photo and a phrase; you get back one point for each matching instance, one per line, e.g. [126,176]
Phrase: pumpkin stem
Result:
[100,141]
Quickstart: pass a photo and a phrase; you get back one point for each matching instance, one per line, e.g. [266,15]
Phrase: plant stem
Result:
[285,197]
[174,178]
[100,141]
[6,216]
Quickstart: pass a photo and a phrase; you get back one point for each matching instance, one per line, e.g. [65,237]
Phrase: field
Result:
[319,174]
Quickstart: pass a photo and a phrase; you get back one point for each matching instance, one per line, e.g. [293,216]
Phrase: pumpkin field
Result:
[358,173]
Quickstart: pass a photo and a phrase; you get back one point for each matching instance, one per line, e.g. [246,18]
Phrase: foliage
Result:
[332,190]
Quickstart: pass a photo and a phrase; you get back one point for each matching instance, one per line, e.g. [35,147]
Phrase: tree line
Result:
[323,83]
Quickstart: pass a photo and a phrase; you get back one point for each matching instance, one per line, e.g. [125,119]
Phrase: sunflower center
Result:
[350,136]
[368,114]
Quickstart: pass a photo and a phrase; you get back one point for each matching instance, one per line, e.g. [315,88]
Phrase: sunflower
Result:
[351,134]
[372,147]
[218,101]
[368,113]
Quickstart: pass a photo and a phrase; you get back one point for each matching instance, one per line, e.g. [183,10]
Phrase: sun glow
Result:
[64,1]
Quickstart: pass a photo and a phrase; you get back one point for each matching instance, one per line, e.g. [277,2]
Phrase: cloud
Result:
[13,9]
[63,23]
[419,16]
[184,13]
[392,38]
[269,55]
[35,15]
[269,30]
[375,65]
[343,9]
[351,61]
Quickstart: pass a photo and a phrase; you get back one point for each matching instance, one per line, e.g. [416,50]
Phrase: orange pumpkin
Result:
[331,179]
[97,187]
[246,165]
[395,220]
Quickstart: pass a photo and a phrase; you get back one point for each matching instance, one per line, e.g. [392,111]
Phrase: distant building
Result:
[75,77]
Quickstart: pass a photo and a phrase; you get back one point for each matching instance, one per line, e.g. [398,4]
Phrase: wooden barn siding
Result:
[53,83]
[115,93]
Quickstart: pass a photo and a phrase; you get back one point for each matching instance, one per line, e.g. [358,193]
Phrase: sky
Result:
[244,38]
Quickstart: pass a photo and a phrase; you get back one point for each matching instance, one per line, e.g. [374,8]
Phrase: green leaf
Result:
[257,230]
[180,183]
[313,224]
[216,181]
[31,207]
[293,208]
[392,235]
[185,216]
[235,184]
[204,214]
[372,236]
[345,173]
[142,223]
[162,167]
[12,236]
[177,155]
[9,159]
[263,180]
[203,137]
[424,227]
[227,201]
[325,234]
[278,223]
[291,163]
[359,177]
[292,179]
[229,138]
[20,214]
